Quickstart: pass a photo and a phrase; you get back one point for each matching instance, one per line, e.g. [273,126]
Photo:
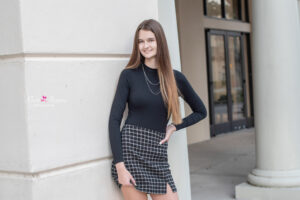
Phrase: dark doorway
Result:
[227,83]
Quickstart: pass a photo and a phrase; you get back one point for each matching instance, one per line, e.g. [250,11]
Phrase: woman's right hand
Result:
[124,176]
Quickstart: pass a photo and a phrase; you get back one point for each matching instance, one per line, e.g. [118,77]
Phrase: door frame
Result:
[231,125]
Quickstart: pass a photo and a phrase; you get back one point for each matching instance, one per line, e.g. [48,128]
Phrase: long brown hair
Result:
[168,84]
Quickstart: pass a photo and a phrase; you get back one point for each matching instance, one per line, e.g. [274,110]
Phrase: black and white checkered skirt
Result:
[145,159]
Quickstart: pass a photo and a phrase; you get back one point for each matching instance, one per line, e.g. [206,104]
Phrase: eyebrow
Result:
[147,38]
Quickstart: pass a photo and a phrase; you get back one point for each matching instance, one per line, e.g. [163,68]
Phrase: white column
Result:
[276,69]
[178,151]
[299,10]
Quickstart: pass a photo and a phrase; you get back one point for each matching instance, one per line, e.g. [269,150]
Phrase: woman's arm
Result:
[116,115]
[193,100]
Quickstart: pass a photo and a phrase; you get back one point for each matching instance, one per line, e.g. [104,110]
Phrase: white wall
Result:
[10,27]
[72,53]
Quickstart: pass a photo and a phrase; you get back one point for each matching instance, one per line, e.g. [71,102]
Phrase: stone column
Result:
[299,9]
[276,69]
[178,151]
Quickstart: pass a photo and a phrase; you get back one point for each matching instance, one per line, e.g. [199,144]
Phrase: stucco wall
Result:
[59,65]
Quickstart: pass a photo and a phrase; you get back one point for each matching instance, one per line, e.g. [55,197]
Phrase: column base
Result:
[274,178]
[245,191]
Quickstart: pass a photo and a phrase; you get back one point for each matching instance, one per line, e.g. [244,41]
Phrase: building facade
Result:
[60,62]
[216,56]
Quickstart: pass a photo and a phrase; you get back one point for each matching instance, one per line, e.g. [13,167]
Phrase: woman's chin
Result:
[149,56]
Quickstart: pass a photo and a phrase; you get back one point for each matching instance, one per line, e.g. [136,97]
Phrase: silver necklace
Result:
[148,81]
[148,78]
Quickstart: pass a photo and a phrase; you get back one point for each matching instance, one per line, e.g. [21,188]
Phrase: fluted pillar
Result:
[276,70]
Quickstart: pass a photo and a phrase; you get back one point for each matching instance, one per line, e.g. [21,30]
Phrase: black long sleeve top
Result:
[146,109]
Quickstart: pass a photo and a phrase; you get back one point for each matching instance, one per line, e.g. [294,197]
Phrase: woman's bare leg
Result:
[170,195]
[130,193]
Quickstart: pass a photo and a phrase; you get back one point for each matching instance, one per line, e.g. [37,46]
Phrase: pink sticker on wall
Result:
[44,99]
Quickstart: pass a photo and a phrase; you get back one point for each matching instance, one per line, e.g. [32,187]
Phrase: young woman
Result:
[151,88]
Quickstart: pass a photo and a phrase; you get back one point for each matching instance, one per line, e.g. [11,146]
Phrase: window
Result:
[228,9]
[232,8]
[214,8]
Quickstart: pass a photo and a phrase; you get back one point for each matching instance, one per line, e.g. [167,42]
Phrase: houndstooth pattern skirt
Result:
[145,159]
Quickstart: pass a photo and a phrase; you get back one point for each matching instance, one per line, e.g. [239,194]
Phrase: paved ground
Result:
[217,165]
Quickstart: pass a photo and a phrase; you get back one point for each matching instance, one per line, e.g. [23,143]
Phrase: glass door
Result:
[226,81]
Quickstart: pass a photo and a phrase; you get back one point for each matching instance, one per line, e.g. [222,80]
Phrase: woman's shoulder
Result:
[179,76]
[127,71]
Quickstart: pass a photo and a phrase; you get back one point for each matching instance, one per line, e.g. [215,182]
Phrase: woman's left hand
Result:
[170,129]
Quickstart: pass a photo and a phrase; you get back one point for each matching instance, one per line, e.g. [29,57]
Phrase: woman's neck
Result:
[151,63]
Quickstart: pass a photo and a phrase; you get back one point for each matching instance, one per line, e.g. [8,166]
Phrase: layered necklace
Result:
[149,82]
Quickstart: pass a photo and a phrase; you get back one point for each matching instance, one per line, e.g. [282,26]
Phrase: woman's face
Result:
[147,44]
